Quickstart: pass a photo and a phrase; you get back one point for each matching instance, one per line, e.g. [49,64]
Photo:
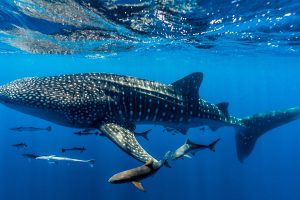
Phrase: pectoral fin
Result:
[126,140]
[187,156]
[138,185]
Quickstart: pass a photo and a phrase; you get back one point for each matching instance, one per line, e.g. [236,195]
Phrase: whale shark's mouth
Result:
[4,99]
[16,92]
[6,96]
[1,96]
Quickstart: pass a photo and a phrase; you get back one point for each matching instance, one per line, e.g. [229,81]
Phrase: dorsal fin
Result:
[223,106]
[189,85]
[188,141]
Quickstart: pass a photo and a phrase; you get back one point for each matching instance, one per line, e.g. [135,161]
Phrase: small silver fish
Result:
[56,159]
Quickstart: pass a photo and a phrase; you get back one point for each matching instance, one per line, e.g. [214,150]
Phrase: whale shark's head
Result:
[32,96]
[65,100]
[19,92]
[37,93]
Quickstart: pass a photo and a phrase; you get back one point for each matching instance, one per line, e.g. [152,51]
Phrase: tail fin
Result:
[48,128]
[165,160]
[212,146]
[92,162]
[145,134]
[63,150]
[257,125]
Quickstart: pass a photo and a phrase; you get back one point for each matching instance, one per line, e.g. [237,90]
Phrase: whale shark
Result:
[115,104]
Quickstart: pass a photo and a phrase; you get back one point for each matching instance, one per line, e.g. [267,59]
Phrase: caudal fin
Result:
[257,125]
[212,146]
[145,134]
[92,162]
[48,128]
[166,158]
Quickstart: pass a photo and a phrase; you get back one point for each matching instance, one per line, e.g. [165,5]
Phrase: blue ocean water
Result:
[248,52]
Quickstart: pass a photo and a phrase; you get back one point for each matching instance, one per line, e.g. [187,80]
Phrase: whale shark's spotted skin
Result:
[88,100]
[115,103]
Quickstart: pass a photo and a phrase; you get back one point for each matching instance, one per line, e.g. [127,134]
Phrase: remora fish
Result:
[55,159]
[88,131]
[173,130]
[30,129]
[20,145]
[135,175]
[191,147]
[114,104]
[143,134]
[81,149]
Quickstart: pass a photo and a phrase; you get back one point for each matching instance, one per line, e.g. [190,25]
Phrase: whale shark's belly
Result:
[70,117]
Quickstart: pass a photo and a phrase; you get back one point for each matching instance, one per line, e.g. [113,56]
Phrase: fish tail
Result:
[145,134]
[212,146]
[49,128]
[166,158]
[258,124]
[92,162]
